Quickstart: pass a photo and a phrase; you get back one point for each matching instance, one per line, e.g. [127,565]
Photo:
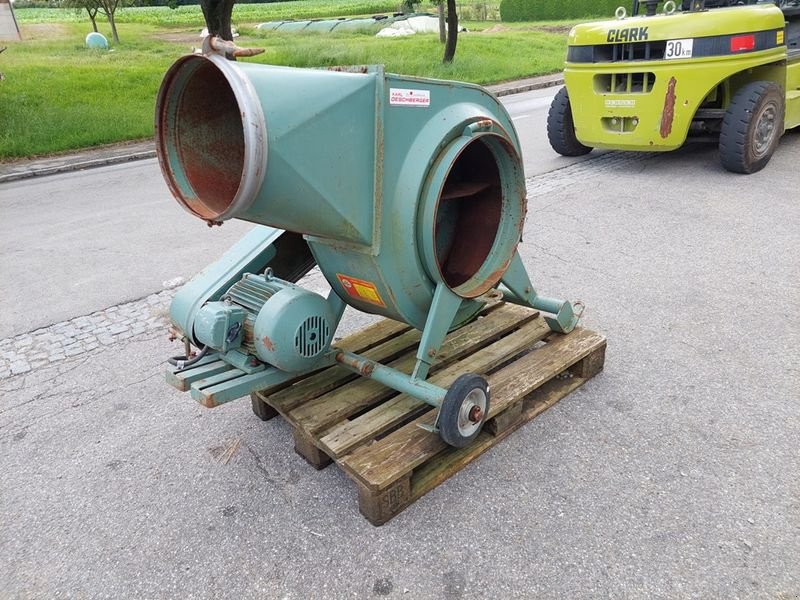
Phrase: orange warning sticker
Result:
[360,289]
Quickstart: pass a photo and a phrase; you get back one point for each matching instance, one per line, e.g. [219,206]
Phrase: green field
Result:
[190,16]
[59,96]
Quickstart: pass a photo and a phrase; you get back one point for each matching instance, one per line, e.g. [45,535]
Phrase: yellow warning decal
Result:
[360,289]
[779,37]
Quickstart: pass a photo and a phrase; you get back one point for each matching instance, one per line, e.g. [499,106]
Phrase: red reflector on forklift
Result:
[740,43]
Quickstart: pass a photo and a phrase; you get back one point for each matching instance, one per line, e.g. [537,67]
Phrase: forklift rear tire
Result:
[464,409]
[561,127]
[752,127]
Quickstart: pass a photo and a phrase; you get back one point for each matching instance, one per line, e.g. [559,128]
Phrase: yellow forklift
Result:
[664,74]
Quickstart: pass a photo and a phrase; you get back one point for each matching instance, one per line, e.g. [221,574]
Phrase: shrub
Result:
[556,10]
[478,11]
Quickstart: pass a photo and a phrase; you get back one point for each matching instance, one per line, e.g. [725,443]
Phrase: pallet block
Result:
[373,433]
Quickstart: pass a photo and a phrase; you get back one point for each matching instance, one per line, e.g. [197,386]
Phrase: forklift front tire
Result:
[561,127]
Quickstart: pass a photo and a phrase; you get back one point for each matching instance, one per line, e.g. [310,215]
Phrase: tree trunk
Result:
[218,14]
[108,8]
[114,34]
[442,29]
[452,32]
[93,17]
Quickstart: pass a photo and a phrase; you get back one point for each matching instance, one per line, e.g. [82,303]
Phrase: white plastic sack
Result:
[410,26]
[394,32]
[423,24]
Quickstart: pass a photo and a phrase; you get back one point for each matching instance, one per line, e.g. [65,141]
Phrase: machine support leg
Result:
[397,380]
[338,305]
[443,311]
[519,290]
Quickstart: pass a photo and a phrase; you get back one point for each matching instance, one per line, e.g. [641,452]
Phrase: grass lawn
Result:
[59,96]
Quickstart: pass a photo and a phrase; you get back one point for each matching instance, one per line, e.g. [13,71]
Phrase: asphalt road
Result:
[673,474]
[529,113]
[79,242]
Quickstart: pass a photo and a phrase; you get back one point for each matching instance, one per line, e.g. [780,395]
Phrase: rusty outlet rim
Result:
[247,171]
[487,256]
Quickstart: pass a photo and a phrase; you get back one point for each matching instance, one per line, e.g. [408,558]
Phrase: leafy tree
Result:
[104,7]
[91,6]
[448,27]
[217,14]
[108,8]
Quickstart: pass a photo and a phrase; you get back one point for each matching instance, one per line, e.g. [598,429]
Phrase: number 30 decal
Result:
[678,49]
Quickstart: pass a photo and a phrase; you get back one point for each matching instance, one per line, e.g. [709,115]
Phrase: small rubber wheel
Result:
[752,127]
[261,409]
[561,127]
[464,410]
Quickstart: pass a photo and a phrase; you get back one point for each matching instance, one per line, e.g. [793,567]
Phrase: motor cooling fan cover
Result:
[293,330]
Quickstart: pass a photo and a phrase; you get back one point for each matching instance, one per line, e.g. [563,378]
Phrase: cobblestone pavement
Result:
[48,345]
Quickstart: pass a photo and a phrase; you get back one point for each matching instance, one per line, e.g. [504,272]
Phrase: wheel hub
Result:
[473,408]
[475,414]
[765,130]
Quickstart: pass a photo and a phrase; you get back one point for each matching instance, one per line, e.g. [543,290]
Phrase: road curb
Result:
[527,87]
[77,165]
[81,161]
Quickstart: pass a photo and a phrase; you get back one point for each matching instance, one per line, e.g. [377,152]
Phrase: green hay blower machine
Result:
[407,193]
[710,71]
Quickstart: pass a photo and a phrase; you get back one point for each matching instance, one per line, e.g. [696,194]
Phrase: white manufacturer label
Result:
[404,97]
[620,103]
[679,49]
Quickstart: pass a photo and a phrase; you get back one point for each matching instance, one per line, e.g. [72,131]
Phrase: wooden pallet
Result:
[374,433]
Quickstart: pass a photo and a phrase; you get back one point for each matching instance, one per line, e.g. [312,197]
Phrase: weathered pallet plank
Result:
[331,378]
[321,413]
[532,370]
[344,437]
[295,389]
[381,463]
[450,462]
[306,448]
[261,409]
[347,435]
[371,336]
[373,433]
[381,342]
[380,506]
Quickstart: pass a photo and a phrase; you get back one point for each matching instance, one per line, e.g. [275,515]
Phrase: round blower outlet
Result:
[293,330]
[473,211]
